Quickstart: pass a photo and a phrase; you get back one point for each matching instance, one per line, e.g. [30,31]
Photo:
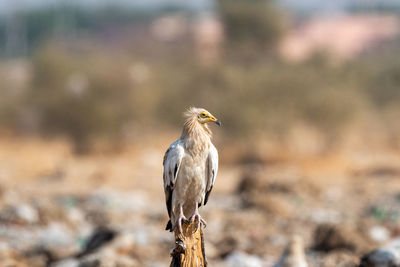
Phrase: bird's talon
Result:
[179,223]
[193,218]
[199,220]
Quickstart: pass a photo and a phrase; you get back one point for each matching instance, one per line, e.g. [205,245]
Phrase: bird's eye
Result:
[203,115]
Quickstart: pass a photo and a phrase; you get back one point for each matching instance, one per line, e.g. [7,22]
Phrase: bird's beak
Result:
[213,119]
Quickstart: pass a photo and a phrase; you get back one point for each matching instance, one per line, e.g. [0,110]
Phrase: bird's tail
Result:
[169,226]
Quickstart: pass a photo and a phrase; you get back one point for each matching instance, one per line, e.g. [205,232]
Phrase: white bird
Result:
[190,168]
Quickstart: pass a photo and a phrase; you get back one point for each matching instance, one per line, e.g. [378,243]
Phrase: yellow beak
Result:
[213,119]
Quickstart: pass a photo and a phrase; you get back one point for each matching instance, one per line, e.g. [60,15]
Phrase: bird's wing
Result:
[211,170]
[172,162]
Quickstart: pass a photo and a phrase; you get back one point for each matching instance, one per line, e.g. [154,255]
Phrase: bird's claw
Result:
[179,223]
[199,220]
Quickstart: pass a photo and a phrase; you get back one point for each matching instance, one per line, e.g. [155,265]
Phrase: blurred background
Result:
[92,94]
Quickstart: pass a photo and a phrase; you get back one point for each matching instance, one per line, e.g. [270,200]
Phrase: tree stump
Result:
[189,247]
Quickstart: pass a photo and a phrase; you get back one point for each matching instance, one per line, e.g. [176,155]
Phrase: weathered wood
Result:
[189,247]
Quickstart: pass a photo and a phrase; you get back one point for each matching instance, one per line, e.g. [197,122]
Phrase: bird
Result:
[190,168]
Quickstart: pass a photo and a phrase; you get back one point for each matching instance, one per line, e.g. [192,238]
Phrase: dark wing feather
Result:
[168,199]
[207,195]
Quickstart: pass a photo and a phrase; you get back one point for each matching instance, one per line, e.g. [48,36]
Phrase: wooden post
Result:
[189,247]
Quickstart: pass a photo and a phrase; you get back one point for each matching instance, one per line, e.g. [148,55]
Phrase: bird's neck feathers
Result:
[193,128]
[197,136]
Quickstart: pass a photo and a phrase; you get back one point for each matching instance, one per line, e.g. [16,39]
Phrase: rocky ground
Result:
[107,209]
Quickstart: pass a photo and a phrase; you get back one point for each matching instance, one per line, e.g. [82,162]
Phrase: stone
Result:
[242,259]
[293,255]
[387,256]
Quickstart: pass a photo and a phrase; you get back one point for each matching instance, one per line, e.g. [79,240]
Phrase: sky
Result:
[7,6]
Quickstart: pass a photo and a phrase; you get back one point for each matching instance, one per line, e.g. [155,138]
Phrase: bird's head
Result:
[202,116]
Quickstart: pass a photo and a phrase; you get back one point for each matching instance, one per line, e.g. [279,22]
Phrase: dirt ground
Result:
[53,202]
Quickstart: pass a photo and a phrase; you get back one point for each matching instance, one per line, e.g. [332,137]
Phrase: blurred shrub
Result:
[84,93]
[255,23]
[81,94]
[14,84]
[384,81]
[268,97]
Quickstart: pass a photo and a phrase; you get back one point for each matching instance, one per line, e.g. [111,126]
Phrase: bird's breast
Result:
[192,172]
[193,167]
